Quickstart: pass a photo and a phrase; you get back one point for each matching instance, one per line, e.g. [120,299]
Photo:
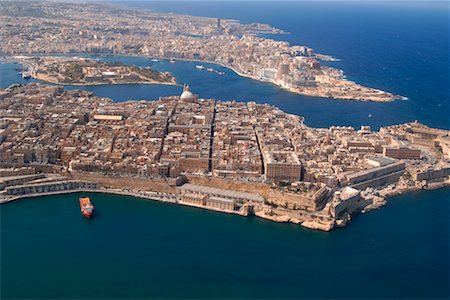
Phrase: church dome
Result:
[187,94]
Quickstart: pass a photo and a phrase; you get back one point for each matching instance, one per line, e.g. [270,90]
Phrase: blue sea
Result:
[136,248]
[142,249]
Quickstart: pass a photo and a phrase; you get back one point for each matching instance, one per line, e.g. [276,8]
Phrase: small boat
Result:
[220,73]
[369,115]
[87,209]
[154,59]
[172,61]
[200,67]
[210,70]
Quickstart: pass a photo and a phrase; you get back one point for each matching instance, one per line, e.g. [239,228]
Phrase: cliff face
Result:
[318,225]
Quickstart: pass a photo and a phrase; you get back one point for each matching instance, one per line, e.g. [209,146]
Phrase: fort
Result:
[81,71]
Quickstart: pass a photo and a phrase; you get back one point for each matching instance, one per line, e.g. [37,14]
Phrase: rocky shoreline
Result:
[331,93]
[313,92]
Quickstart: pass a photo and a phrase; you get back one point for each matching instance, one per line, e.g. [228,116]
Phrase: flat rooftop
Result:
[281,157]
[383,161]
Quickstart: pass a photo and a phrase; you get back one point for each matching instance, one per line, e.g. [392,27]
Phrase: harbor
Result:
[184,232]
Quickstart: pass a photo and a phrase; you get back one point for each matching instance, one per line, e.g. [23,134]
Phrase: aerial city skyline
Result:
[59,139]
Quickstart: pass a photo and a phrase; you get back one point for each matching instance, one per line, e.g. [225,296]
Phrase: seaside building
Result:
[49,187]
[376,177]
[345,202]
[432,173]
[216,198]
[7,181]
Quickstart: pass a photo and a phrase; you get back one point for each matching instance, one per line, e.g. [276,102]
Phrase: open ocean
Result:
[142,249]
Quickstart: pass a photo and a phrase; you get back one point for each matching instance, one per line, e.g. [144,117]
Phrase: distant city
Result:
[70,28]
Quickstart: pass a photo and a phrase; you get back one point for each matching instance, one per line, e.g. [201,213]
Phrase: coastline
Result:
[18,60]
[173,199]
[289,89]
[312,204]
[294,90]
[160,197]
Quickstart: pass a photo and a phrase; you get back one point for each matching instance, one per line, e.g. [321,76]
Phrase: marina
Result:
[211,70]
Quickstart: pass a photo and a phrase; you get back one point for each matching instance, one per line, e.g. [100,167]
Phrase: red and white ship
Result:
[87,209]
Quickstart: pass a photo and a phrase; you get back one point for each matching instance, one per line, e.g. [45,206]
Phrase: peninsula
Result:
[233,157]
[94,28]
[82,71]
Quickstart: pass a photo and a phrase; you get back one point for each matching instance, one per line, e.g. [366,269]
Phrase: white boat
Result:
[154,59]
[210,70]
[172,61]
[200,67]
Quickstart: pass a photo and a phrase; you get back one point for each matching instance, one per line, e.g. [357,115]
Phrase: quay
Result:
[211,198]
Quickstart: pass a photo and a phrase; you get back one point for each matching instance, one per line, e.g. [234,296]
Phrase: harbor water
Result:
[134,248]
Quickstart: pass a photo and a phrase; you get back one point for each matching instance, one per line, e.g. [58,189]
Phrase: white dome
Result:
[187,95]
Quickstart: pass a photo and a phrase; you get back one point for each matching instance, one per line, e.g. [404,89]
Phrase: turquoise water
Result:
[142,249]
[136,248]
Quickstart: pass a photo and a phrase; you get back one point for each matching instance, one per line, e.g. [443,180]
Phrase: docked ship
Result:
[86,207]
